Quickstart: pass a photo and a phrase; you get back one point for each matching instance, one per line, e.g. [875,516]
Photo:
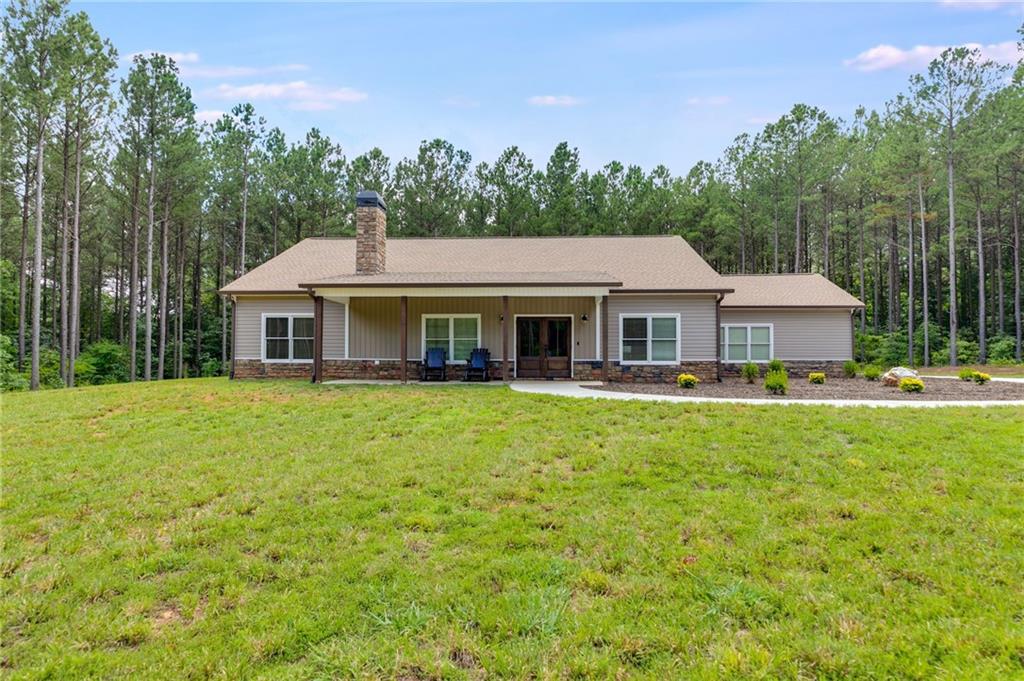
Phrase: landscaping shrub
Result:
[1001,349]
[912,385]
[210,367]
[816,377]
[687,381]
[981,378]
[776,382]
[750,371]
[966,374]
[872,372]
[776,365]
[850,369]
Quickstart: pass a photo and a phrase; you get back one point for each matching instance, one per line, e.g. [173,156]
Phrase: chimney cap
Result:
[371,199]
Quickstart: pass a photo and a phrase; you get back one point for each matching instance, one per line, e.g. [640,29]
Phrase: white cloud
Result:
[238,71]
[713,100]
[209,115]
[301,95]
[178,57]
[762,120]
[554,100]
[885,57]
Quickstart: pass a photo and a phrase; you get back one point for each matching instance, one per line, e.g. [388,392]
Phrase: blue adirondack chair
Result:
[435,365]
[476,368]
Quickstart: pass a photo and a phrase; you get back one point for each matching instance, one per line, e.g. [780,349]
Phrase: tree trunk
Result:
[23,260]
[75,254]
[910,280]
[1017,321]
[245,213]
[64,254]
[147,370]
[37,268]
[893,274]
[197,300]
[952,255]
[133,286]
[162,349]
[982,335]
[863,288]
[924,273]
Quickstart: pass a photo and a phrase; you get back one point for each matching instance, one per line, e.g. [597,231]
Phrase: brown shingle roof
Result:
[469,279]
[656,263]
[785,290]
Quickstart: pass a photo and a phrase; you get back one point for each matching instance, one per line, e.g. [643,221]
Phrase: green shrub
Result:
[912,385]
[966,374]
[850,369]
[10,379]
[872,372]
[776,365]
[687,381]
[981,378]
[102,363]
[209,368]
[750,371]
[1001,349]
[776,382]
[816,377]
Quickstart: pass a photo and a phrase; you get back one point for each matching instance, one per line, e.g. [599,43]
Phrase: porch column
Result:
[604,339]
[718,337]
[504,339]
[318,339]
[404,343]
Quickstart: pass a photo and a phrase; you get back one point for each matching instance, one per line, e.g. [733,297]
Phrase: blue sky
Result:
[643,84]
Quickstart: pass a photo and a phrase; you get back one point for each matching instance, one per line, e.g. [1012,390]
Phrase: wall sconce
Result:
[501,318]
[584,317]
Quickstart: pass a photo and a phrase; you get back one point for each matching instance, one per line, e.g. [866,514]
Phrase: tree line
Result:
[121,215]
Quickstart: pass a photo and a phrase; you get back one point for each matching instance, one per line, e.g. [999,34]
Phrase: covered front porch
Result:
[536,333]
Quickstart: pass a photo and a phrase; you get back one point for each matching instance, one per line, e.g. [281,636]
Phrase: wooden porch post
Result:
[404,316]
[318,339]
[504,339]
[605,363]
[718,337]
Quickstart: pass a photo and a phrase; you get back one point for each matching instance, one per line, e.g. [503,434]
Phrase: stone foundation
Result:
[832,368]
[368,370]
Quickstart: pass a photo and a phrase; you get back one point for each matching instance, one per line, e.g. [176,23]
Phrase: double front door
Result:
[543,347]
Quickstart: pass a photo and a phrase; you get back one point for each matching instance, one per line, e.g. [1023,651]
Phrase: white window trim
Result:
[451,333]
[291,316]
[723,347]
[650,316]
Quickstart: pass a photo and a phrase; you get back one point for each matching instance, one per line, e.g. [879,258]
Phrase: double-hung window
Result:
[745,342]
[649,338]
[456,334]
[288,338]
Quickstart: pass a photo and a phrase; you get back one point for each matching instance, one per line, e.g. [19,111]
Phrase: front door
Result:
[543,347]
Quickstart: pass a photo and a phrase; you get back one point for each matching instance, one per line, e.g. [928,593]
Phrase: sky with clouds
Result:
[643,84]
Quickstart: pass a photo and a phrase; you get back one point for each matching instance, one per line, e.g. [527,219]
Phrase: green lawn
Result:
[203,528]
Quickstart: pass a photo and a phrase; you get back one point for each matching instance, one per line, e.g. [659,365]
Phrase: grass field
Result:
[280,530]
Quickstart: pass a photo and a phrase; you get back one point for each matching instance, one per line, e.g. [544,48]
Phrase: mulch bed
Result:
[833,389]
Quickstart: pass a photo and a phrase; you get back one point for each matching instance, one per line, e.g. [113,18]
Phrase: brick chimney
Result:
[371,233]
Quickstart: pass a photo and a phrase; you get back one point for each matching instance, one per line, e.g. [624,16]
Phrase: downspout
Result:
[234,336]
[718,336]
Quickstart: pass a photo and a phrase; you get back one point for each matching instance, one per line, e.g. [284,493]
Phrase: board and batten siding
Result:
[249,313]
[698,341]
[814,334]
[375,322]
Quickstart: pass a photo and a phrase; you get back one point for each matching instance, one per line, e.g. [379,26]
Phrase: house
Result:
[619,308]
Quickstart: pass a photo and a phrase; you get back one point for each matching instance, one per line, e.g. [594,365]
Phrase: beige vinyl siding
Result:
[249,313]
[375,322]
[696,318]
[809,334]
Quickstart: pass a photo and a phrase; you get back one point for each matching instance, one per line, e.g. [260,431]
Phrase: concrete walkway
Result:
[567,389]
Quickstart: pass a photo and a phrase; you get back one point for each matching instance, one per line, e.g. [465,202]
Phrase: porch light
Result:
[584,317]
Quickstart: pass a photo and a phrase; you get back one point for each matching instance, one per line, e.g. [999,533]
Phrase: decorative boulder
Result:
[893,376]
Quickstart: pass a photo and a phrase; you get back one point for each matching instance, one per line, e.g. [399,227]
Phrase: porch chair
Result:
[435,365]
[476,367]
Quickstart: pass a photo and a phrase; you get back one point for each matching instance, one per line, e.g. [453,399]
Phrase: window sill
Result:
[287,361]
[651,364]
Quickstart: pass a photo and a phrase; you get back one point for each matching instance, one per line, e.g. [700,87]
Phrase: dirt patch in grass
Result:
[832,389]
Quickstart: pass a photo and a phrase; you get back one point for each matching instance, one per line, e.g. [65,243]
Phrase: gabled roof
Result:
[786,290]
[623,263]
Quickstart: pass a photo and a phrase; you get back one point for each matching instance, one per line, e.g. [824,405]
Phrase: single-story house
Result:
[619,308]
